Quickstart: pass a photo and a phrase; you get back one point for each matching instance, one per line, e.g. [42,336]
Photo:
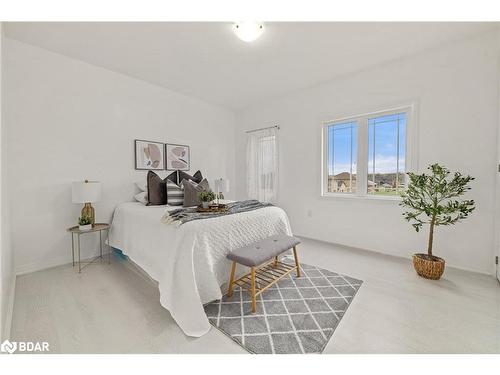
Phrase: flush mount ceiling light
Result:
[248,31]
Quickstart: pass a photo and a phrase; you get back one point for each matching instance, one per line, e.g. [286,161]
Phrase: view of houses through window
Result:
[342,157]
[384,154]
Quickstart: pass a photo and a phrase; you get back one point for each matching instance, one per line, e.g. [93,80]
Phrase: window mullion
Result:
[362,164]
[397,156]
[326,158]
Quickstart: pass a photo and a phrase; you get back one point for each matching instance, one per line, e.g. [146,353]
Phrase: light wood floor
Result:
[111,309]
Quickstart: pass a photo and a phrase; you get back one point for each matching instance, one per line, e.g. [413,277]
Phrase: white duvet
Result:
[189,261]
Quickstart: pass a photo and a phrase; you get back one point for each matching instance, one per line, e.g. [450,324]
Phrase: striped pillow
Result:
[175,194]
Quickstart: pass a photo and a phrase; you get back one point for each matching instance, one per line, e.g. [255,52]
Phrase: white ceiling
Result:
[207,61]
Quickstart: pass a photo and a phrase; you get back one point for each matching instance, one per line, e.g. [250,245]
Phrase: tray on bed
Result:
[214,208]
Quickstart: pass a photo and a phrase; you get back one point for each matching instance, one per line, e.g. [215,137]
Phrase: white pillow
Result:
[142,185]
[142,197]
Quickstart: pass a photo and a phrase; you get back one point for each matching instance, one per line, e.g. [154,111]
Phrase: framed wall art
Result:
[177,157]
[149,155]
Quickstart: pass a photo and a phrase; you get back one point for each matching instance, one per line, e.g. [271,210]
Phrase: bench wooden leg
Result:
[296,260]
[275,262]
[231,280]
[254,300]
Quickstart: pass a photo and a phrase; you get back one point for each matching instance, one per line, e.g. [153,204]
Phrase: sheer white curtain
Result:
[262,165]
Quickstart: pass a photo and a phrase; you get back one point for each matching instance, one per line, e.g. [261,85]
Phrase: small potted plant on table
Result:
[84,223]
[206,197]
[431,199]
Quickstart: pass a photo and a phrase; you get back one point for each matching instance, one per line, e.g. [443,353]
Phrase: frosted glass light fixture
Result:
[248,31]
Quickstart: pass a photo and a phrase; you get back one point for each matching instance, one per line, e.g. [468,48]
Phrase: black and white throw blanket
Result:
[184,215]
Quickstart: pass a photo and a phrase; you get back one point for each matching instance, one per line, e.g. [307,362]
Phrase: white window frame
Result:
[362,156]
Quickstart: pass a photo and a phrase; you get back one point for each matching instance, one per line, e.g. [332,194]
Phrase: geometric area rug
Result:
[294,316]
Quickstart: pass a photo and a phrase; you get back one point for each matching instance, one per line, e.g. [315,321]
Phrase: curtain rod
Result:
[269,127]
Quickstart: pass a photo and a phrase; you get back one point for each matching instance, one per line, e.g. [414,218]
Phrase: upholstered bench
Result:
[265,268]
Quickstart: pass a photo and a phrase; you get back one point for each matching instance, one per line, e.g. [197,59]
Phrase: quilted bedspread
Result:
[189,261]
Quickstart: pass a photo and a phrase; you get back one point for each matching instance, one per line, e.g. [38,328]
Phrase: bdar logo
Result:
[8,347]
[24,346]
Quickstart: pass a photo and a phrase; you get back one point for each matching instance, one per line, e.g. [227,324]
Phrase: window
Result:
[366,155]
[342,156]
[262,164]
[386,154]
[267,152]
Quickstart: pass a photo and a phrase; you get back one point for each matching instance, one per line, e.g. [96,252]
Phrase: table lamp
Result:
[86,192]
[222,186]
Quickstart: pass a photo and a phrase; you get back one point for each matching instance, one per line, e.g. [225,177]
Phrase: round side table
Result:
[76,232]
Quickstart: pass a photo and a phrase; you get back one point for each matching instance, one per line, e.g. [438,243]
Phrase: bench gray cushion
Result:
[263,250]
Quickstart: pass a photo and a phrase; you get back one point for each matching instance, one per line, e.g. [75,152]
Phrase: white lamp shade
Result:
[86,191]
[222,185]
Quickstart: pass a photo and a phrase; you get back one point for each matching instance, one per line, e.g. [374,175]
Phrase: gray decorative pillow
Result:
[157,194]
[177,177]
[191,190]
[173,177]
[197,177]
[175,194]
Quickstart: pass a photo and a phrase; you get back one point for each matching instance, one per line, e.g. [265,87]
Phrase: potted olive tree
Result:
[433,199]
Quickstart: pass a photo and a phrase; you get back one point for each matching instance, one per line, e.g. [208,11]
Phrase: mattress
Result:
[189,261]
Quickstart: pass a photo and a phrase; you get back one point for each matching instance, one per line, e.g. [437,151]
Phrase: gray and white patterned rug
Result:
[296,315]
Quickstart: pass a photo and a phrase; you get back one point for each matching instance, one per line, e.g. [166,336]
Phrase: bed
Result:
[189,261]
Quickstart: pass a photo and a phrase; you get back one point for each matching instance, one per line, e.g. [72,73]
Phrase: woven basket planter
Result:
[429,268]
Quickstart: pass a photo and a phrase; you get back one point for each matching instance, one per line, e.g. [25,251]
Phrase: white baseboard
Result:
[5,335]
[43,265]
[395,256]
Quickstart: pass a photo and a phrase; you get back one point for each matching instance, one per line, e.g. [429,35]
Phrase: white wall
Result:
[497,206]
[455,87]
[67,120]
[7,278]
[53,105]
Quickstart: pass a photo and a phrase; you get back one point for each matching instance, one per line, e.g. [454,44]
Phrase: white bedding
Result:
[189,261]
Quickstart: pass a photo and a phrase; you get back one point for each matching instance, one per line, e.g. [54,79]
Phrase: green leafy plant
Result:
[206,196]
[84,220]
[432,199]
